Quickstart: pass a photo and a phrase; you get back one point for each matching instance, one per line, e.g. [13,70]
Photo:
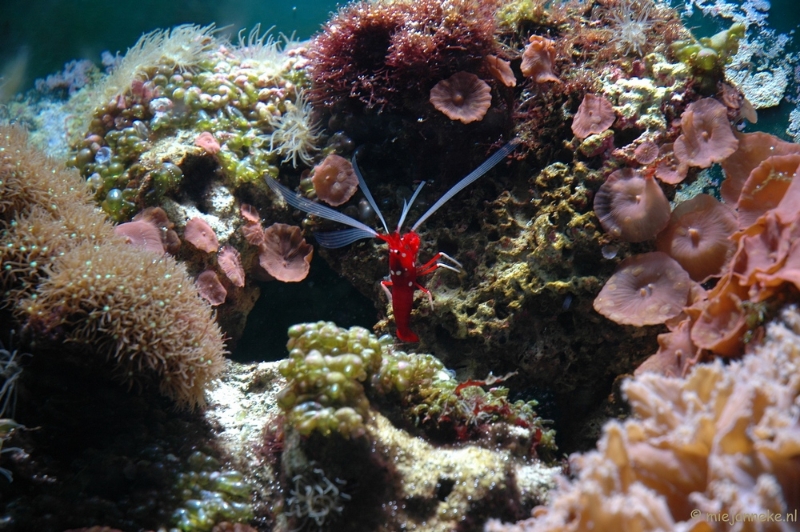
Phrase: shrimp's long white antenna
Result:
[299,202]
[407,206]
[367,193]
[487,165]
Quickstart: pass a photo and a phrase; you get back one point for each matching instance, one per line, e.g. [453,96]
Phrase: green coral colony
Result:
[251,96]
[332,372]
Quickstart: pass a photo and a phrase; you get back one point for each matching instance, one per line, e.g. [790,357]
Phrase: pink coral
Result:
[706,136]
[630,206]
[199,234]
[207,141]
[231,265]
[646,289]
[538,59]
[285,254]
[334,180]
[462,96]
[595,115]
[250,213]
[142,234]
[210,288]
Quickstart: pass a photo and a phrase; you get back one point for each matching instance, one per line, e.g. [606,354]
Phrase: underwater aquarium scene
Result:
[400,265]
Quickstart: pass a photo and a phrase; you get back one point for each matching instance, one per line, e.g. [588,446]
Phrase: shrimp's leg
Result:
[435,263]
[427,293]
[385,285]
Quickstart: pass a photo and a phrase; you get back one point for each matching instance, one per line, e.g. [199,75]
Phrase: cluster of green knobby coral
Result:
[333,372]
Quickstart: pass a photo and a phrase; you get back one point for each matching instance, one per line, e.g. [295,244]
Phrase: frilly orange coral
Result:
[765,187]
[753,148]
[501,70]
[538,59]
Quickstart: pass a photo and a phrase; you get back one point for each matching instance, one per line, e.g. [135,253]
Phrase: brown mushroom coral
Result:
[501,70]
[595,115]
[199,234]
[285,254]
[142,234]
[538,59]
[231,265]
[753,148]
[210,288]
[334,180]
[646,152]
[698,236]
[631,206]
[646,289]
[706,135]
[462,96]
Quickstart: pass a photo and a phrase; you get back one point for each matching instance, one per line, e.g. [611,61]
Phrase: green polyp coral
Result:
[326,368]
[210,495]
[708,55]
[333,373]
[151,109]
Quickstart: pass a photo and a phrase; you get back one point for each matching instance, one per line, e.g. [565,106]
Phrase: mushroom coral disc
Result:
[706,136]
[462,96]
[698,236]
[646,289]
[630,206]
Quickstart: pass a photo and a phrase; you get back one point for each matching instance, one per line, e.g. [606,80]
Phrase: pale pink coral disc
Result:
[630,206]
[334,180]
[231,265]
[210,288]
[198,233]
[646,289]
[595,115]
[142,234]
[285,254]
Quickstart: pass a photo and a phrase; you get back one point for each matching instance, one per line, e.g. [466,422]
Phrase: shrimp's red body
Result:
[403,273]
[403,249]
